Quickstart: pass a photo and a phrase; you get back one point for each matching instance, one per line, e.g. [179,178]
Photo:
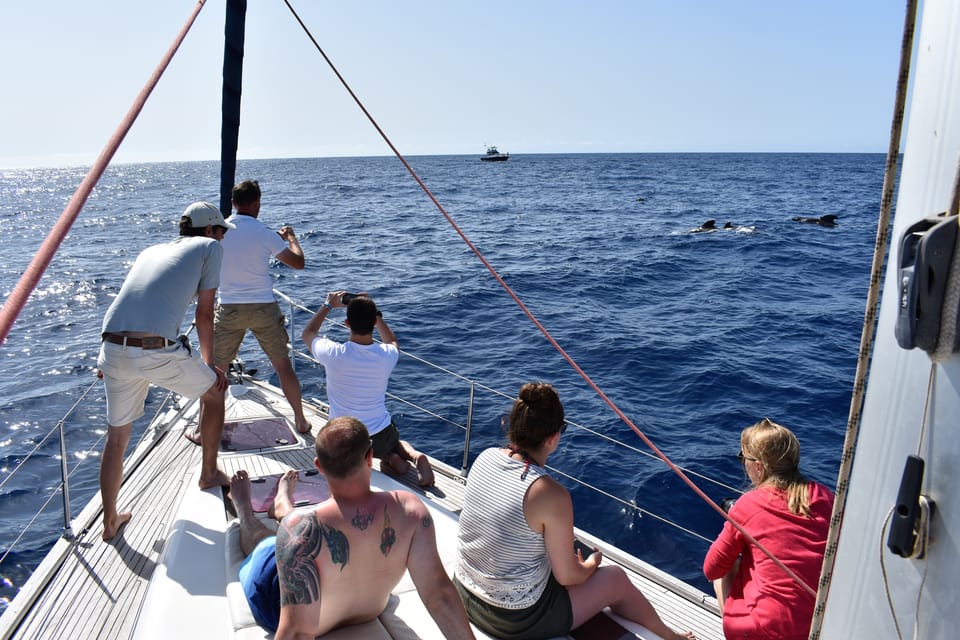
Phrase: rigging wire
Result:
[556,345]
[44,439]
[17,299]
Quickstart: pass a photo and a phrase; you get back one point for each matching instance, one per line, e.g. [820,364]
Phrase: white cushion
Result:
[240,614]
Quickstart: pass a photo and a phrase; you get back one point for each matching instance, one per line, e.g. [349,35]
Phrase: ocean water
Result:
[693,336]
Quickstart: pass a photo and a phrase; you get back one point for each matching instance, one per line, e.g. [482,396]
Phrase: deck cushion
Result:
[240,613]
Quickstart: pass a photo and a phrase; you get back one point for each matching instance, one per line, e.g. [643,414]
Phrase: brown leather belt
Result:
[144,342]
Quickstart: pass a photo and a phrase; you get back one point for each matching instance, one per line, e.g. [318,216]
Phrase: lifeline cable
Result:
[793,576]
[41,260]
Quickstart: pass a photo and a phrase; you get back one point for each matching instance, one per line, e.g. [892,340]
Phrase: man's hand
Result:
[222,382]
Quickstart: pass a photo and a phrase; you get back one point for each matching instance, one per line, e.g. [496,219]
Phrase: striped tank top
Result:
[502,561]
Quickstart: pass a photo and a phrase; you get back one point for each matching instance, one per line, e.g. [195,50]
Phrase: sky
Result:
[450,77]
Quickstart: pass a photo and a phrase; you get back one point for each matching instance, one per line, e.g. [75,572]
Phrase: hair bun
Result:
[536,392]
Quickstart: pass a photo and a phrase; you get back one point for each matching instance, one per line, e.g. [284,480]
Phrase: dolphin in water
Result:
[709,225]
[829,220]
[736,228]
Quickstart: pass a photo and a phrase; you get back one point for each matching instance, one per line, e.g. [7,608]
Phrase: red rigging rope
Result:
[807,588]
[41,260]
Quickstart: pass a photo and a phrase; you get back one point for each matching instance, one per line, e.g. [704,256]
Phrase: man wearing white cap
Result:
[142,346]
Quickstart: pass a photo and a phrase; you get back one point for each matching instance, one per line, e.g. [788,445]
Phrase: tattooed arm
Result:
[434,586]
[299,540]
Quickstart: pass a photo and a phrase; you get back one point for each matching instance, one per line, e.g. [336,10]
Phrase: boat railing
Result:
[64,487]
[473,392]
[66,473]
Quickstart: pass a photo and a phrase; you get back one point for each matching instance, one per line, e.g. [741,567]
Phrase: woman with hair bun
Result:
[517,574]
[787,514]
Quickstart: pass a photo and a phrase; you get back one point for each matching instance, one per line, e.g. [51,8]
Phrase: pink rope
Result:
[17,299]
[543,329]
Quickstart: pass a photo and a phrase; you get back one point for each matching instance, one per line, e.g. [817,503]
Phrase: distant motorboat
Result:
[493,155]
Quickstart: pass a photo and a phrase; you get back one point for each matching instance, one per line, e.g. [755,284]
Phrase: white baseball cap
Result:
[202,214]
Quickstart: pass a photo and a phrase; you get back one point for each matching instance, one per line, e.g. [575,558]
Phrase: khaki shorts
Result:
[128,373]
[262,318]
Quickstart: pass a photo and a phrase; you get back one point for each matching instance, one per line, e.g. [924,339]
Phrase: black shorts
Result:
[385,441]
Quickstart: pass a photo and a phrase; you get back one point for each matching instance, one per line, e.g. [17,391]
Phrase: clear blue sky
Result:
[447,77]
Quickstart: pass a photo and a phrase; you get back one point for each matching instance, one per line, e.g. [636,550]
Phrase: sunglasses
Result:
[742,458]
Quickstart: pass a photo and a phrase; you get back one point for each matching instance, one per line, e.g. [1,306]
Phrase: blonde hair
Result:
[778,450]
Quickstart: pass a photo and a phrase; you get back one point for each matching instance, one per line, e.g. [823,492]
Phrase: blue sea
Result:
[692,336]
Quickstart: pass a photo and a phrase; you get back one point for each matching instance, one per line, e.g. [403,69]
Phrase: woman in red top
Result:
[789,515]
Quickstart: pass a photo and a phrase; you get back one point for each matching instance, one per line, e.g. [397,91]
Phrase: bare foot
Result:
[425,471]
[113,527]
[283,503]
[193,436]
[304,426]
[240,488]
[687,635]
[220,479]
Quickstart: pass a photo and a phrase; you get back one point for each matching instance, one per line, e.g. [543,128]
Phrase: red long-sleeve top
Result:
[764,602]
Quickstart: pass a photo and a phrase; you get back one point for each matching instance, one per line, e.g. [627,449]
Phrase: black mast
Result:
[233,33]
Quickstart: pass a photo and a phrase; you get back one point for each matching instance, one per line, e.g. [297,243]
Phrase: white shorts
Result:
[128,373]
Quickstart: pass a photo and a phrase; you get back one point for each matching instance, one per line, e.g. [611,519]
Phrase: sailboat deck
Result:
[100,588]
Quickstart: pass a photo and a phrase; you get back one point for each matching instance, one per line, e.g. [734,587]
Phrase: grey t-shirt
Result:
[163,281]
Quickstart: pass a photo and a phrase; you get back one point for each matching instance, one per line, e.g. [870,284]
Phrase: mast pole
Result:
[233,32]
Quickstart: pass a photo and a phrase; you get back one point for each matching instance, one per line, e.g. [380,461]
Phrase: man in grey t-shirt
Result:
[141,347]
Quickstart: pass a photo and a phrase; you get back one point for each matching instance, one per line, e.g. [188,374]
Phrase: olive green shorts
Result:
[549,617]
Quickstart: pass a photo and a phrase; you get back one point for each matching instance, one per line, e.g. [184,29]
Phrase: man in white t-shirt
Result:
[357,375]
[246,292]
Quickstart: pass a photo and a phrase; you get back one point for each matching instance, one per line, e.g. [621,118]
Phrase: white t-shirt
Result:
[357,376]
[245,277]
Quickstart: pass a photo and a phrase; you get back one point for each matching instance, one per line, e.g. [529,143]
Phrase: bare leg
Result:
[252,531]
[394,464]
[111,477]
[211,428]
[283,502]
[723,585]
[609,586]
[291,389]
[193,435]
[424,470]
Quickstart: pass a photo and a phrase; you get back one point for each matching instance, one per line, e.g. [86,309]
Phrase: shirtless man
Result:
[339,560]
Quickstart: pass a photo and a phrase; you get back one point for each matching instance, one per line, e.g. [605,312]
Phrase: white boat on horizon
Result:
[172,573]
[494,155]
